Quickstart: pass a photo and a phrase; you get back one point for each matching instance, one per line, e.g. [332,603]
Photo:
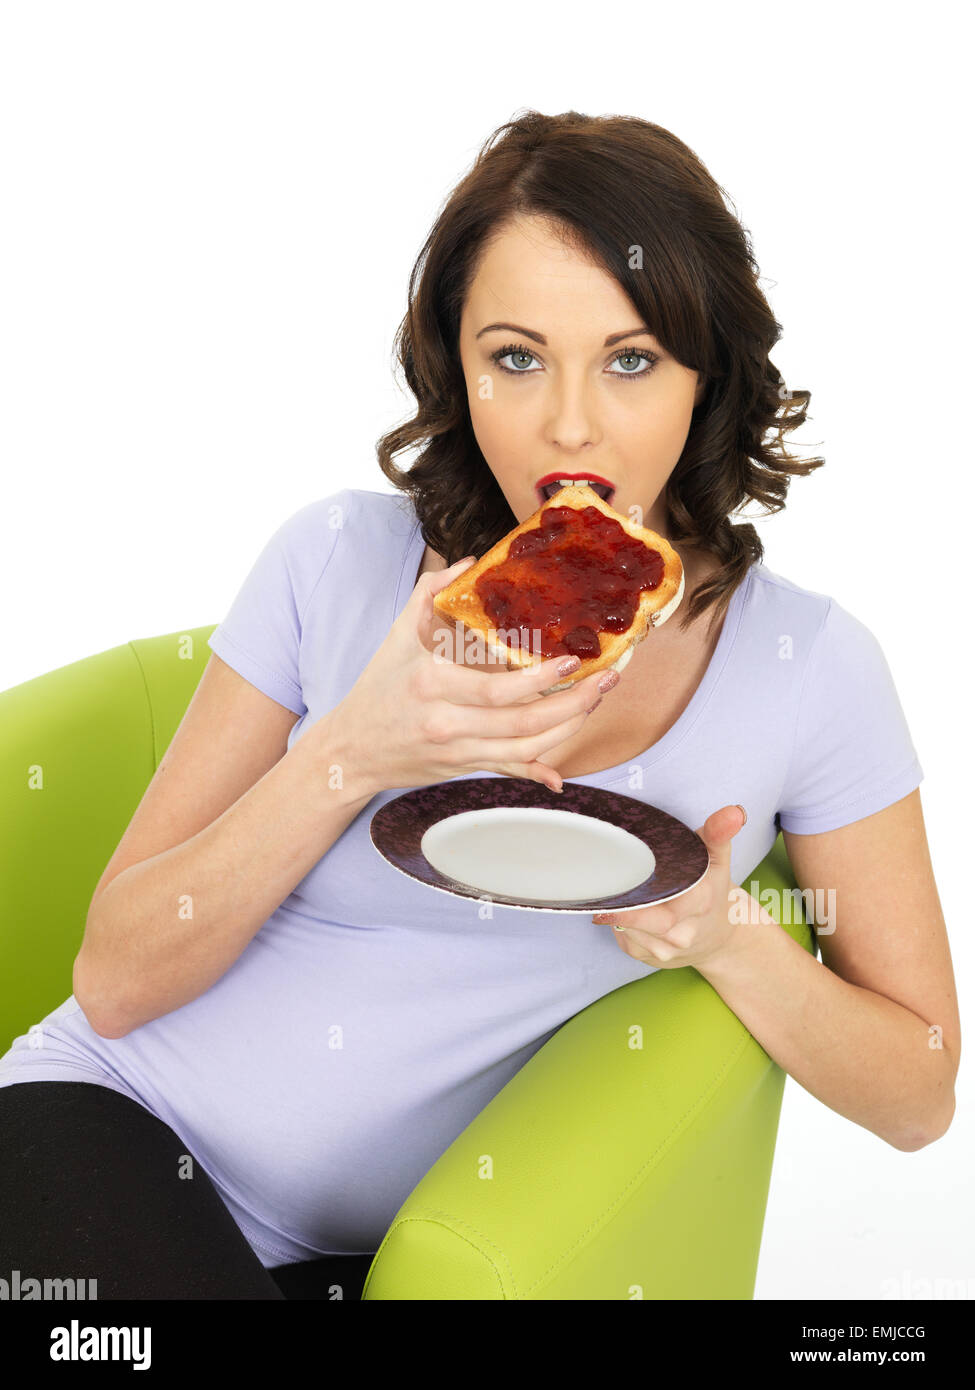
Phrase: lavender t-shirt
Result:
[370,1019]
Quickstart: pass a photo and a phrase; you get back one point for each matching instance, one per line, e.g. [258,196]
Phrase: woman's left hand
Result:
[697,925]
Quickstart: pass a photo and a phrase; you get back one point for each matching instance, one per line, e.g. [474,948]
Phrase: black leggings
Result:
[90,1189]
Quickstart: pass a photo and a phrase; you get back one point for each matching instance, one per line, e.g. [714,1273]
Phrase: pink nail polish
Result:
[571,664]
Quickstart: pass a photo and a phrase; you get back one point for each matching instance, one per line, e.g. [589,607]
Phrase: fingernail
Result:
[567,667]
[592,707]
[744,814]
[608,681]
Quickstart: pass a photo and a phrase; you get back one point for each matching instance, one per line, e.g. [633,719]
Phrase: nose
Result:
[572,424]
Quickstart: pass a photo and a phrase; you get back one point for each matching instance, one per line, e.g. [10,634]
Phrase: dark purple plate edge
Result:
[407,817]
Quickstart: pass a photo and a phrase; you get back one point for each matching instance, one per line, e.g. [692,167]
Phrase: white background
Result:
[210,212]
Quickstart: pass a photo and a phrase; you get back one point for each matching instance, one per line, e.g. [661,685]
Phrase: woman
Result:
[259,993]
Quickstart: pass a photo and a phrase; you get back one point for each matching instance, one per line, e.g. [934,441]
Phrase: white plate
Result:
[529,853]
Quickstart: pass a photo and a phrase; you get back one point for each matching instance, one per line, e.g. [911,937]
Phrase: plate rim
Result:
[455,889]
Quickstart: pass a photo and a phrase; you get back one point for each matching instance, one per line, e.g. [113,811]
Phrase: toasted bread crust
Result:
[459,600]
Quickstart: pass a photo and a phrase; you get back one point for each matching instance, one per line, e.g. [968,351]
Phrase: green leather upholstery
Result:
[630,1157]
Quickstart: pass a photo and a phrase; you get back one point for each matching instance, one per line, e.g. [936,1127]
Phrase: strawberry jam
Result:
[574,576]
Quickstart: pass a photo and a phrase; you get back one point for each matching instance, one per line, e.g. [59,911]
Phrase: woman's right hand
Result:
[415,717]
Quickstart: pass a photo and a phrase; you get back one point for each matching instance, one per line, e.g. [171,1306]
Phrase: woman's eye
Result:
[636,358]
[519,369]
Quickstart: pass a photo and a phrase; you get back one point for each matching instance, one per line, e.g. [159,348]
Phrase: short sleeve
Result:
[261,635]
[852,754]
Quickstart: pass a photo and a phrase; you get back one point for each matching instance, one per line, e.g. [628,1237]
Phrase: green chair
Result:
[604,1169]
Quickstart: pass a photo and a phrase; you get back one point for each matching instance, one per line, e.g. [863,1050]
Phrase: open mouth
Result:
[547,489]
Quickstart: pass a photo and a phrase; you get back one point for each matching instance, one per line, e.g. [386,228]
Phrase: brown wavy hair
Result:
[607,185]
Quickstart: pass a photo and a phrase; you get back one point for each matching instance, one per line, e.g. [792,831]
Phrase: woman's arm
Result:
[166,929]
[873,1031]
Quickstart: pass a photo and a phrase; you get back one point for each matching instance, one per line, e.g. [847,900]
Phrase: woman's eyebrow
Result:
[540,337]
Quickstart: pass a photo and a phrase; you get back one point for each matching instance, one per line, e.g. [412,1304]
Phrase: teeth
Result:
[602,490]
[577,482]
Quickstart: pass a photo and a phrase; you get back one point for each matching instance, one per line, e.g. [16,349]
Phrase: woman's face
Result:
[567,400]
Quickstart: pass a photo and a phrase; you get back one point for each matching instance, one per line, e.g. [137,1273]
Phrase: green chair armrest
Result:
[78,747]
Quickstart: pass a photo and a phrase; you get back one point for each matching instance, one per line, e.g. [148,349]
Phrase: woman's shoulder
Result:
[771,595]
[813,626]
[800,599]
[852,752]
[373,518]
[774,588]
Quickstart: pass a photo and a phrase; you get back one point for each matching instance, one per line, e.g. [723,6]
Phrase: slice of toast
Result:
[461,602]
